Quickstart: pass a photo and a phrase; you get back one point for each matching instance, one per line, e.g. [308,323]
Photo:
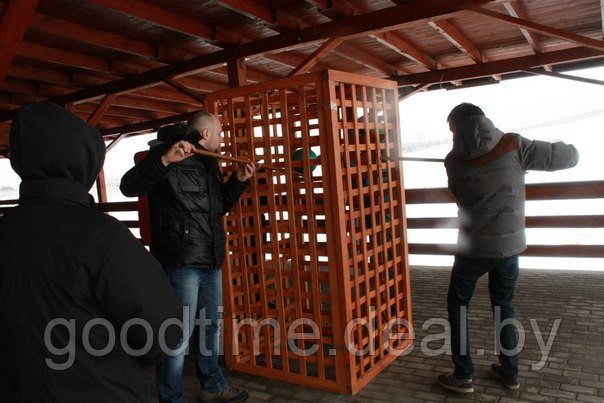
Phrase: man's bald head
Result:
[209,127]
[204,120]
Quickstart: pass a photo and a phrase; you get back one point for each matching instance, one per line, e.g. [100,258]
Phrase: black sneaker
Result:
[229,394]
[450,382]
[512,384]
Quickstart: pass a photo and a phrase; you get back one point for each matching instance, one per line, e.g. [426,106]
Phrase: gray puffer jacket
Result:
[486,175]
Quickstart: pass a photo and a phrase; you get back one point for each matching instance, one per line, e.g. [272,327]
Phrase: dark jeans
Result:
[502,279]
[201,291]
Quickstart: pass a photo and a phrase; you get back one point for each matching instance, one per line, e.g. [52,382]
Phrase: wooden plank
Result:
[159,16]
[403,46]
[185,90]
[454,35]
[597,44]
[313,59]
[15,17]
[63,57]
[371,23]
[358,56]
[499,67]
[81,33]
[515,9]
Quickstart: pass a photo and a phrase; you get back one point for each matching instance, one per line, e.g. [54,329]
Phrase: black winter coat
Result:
[64,265]
[186,202]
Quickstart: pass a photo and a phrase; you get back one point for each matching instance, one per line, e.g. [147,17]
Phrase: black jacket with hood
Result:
[68,273]
[186,202]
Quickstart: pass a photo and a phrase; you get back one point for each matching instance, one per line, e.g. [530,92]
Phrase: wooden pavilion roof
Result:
[128,66]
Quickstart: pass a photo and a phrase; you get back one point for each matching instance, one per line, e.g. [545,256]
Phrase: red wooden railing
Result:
[543,192]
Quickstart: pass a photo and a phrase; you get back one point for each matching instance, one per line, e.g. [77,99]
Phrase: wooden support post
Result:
[13,23]
[313,59]
[236,72]
[101,187]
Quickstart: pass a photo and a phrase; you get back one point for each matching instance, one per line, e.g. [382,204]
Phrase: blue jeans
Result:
[199,290]
[502,280]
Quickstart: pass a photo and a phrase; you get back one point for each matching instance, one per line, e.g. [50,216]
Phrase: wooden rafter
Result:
[367,60]
[515,9]
[14,18]
[499,67]
[400,45]
[257,10]
[159,16]
[391,40]
[454,35]
[312,60]
[185,90]
[414,90]
[371,23]
[67,29]
[272,16]
[100,110]
[543,29]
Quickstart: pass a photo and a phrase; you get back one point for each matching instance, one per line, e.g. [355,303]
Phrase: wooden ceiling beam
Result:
[38,74]
[67,29]
[405,48]
[96,115]
[159,16]
[391,40]
[14,19]
[273,17]
[108,40]
[312,60]
[185,90]
[593,43]
[499,66]
[371,23]
[62,57]
[454,35]
[367,60]
[515,9]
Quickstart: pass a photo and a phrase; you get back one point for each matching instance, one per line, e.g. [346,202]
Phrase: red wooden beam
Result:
[236,71]
[597,44]
[182,88]
[367,24]
[515,9]
[313,59]
[454,35]
[13,23]
[100,110]
[499,67]
[159,16]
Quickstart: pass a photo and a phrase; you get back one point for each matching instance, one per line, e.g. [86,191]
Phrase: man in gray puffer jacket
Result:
[486,176]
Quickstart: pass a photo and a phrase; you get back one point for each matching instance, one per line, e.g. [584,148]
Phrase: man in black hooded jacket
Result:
[82,302]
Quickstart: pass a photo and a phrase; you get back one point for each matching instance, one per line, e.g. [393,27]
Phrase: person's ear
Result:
[205,133]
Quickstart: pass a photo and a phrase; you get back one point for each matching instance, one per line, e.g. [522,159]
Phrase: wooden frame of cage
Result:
[313,253]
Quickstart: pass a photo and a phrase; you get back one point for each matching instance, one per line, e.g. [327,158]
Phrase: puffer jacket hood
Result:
[49,142]
[474,137]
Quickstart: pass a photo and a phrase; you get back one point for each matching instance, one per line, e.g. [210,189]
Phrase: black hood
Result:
[48,142]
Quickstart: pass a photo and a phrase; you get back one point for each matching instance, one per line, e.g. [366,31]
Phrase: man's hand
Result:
[178,152]
[245,172]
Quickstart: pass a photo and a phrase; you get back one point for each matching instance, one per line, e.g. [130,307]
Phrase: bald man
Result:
[187,199]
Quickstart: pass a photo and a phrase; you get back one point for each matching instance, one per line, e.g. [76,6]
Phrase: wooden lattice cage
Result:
[321,249]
